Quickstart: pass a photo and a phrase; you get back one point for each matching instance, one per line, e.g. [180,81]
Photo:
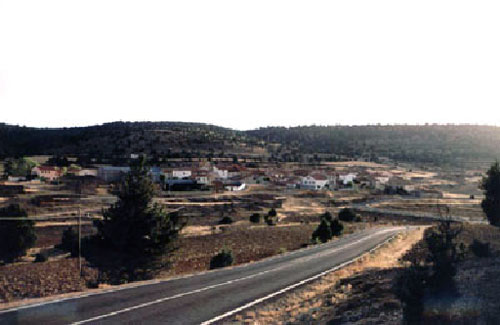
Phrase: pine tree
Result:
[323,232]
[136,233]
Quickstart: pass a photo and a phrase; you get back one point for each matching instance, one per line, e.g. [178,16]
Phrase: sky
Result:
[249,64]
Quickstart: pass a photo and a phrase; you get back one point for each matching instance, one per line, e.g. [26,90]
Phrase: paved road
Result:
[203,297]
[366,207]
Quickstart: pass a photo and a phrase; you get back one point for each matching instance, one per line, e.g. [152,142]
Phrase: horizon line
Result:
[378,124]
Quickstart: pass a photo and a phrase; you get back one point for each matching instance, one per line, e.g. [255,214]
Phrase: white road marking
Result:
[121,311]
[153,282]
[146,304]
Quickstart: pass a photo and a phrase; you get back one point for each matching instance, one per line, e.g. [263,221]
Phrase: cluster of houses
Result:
[235,177]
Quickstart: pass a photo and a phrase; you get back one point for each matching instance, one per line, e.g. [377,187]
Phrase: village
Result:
[219,202]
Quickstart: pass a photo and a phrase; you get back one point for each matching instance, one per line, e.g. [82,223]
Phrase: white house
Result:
[181,173]
[236,186]
[314,182]
[221,173]
[347,178]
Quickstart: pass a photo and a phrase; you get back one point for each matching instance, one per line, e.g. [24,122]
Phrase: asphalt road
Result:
[203,297]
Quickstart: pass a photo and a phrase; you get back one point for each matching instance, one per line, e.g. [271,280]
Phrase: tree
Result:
[491,201]
[271,217]
[336,227]
[255,218]
[20,167]
[347,215]
[136,235]
[323,233]
[16,236]
[69,241]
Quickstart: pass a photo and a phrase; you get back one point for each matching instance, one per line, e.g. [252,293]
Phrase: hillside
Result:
[428,143]
[436,144]
[172,139]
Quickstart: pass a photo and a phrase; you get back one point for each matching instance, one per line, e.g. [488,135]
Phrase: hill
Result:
[437,144]
[427,143]
[117,139]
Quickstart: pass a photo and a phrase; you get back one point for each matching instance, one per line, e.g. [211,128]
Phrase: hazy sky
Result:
[245,64]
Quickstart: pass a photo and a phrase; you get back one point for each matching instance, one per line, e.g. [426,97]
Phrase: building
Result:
[112,173]
[347,178]
[314,182]
[234,186]
[202,177]
[181,173]
[49,173]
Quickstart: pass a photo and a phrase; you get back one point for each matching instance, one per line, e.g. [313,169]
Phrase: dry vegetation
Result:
[35,280]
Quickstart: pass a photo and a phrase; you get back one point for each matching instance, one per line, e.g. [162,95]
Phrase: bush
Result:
[222,259]
[480,249]
[443,256]
[323,233]
[16,236]
[41,257]
[69,242]
[255,218]
[336,227]
[410,289]
[327,215]
[271,217]
[347,215]
[225,221]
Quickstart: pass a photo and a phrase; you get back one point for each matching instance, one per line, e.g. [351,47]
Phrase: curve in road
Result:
[207,297]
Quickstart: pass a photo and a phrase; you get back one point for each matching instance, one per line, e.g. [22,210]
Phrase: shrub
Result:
[16,236]
[327,215]
[271,217]
[480,249]
[222,259]
[225,221]
[69,242]
[410,289]
[336,227]
[443,256]
[41,257]
[323,233]
[347,215]
[255,218]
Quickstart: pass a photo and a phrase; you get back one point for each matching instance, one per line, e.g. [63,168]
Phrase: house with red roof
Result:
[49,173]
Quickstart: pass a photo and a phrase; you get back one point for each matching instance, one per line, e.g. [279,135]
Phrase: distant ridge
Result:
[431,143]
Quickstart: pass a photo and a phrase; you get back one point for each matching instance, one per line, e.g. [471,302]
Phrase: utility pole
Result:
[79,227]
[80,239]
